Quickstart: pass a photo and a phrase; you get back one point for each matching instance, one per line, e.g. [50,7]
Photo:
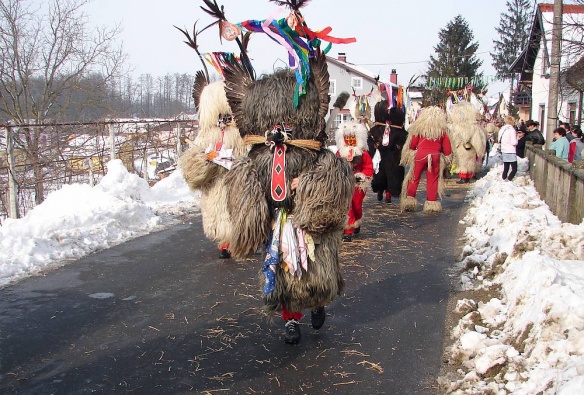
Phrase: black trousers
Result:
[506,166]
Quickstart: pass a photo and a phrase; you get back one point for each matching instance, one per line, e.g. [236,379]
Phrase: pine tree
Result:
[455,58]
[513,33]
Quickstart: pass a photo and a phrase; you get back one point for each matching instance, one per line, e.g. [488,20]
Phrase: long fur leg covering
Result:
[216,220]
[317,287]
[432,207]
[323,195]
[409,204]
[248,209]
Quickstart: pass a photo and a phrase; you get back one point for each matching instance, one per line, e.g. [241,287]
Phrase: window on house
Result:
[357,83]
[340,118]
[572,113]
[333,87]
[542,122]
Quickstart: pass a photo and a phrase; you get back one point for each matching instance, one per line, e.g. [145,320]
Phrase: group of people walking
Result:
[269,182]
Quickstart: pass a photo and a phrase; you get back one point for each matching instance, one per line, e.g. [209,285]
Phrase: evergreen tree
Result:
[455,58]
[513,33]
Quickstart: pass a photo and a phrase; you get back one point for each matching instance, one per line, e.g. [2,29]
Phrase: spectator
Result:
[522,125]
[508,142]
[576,145]
[567,128]
[560,144]
[521,140]
[533,133]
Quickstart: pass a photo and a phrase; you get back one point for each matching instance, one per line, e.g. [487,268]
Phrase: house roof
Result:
[541,28]
[575,75]
[368,75]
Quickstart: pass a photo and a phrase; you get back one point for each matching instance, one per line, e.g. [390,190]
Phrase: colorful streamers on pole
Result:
[299,41]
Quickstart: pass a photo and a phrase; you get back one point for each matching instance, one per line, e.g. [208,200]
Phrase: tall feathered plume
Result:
[292,4]
[192,42]
[218,12]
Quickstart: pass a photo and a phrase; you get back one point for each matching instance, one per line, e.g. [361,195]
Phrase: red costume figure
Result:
[351,138]
[426,146]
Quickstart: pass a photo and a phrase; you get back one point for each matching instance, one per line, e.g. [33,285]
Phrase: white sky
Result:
[390,33]
[541,280]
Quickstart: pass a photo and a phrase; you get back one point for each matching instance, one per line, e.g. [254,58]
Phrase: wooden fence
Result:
[559,183]
[69,153]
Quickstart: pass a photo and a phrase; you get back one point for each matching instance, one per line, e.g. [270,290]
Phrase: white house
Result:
[347,77]
[533,65]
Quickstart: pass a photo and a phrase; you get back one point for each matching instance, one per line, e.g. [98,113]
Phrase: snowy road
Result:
[162,315]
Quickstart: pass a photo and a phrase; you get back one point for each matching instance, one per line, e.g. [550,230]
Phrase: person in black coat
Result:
[521,140]
[391,175]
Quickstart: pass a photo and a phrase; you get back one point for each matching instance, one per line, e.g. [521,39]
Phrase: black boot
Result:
[292,332]
[461,181]
[317,317]
[357,230]
[379,196]
[225,254]
[347,237]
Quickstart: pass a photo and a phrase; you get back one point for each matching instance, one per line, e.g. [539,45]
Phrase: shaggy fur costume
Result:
[351,141]
[430,125]
[467,136]
[319,203]
[202,174]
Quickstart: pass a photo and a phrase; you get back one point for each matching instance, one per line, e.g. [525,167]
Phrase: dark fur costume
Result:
[391,175]
[325,182]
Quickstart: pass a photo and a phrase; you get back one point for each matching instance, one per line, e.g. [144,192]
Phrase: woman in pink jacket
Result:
[508,144]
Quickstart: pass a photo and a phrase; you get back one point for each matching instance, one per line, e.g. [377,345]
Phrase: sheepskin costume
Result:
[351,141]
[214,140]
[287,143]
[468,138]
[427,146]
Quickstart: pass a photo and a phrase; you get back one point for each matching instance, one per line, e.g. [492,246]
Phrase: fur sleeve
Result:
[479,141]
[323,195]
[247,206]
[197,170]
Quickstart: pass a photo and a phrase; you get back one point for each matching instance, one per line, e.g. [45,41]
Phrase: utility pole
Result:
[12,185]
[552,112]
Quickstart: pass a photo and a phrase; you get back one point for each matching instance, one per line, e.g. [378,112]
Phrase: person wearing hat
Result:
[521,140]
[533,133]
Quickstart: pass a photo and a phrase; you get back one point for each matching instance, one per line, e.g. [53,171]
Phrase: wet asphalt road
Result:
[163,315]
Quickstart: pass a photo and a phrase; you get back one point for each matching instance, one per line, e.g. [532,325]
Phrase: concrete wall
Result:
[559,183]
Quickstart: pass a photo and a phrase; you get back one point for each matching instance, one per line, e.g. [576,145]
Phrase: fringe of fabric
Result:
[318,286]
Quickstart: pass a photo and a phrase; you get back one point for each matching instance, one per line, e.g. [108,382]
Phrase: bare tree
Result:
[47,55]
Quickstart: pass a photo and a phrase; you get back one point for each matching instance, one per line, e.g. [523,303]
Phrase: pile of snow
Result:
[531,339]
[79,219]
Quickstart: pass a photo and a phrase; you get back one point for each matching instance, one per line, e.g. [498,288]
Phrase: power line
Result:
[421,61]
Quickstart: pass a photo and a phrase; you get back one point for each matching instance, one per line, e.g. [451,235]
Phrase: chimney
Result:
[342,57]
[393,77]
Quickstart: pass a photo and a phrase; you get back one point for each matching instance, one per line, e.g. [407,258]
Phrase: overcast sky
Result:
[390,34]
